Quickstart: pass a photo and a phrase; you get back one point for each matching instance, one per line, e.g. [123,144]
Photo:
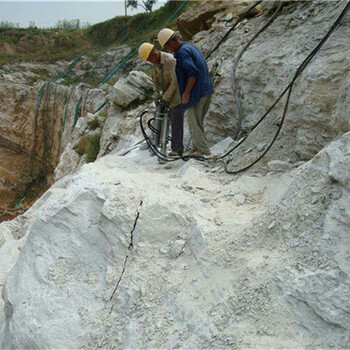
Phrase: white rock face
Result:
[107,61]
[319,101]
[131,88]
[69,162]
[125,255]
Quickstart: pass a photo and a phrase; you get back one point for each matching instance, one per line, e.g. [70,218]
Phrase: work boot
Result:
[174,154]
[190,152]
[196,153]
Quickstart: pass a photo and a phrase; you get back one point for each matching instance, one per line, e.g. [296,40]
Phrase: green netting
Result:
[131,54]
[77,109]
[47,145]
[176,13]
[71,66]
[67,104]
[101,105]
[119,66]
[126,58]
[48,137]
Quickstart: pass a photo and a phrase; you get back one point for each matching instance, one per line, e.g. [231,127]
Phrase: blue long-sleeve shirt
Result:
[190,62]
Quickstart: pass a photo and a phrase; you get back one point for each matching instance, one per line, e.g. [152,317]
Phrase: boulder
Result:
[320,302]
[131,89]
[197,18]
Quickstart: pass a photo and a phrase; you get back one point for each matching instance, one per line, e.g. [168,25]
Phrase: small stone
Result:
[260,146]
[315,190]
[163,250]
[239,198]
[228,17]
[287,226]
[168,166]
[177,248]
[143,146]
[279,165]
[272,225]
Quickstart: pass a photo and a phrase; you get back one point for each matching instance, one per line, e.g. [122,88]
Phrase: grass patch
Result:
[42,72]
[68,81]
[41,45]
[89,145]
[93,124]
[103,114]
[93,80]
[33,80]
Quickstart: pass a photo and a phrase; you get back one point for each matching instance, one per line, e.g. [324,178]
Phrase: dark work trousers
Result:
[177,128]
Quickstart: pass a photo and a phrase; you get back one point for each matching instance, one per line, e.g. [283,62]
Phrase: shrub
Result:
[7,24]
[93,124]
[89,145]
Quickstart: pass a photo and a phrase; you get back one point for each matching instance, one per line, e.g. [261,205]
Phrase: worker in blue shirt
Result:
[195,84]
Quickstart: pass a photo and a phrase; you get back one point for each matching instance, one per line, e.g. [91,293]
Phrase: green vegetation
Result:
[7,24]
[68,81]
[33,80]
[89,145]
[125,29]
[11,35]
[42,72]
[147,5]
[149,95]
[45,45]
[93,124]
[49,45]
[103,114]
[93,80]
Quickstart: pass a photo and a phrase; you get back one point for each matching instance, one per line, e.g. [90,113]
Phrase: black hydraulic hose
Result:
[233,72]
[150,144]
[157,132]
[289,89]
[159,154]
[240,19]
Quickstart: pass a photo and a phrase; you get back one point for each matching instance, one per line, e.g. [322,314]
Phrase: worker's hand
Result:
[185,98]
[165,104]
[157,101]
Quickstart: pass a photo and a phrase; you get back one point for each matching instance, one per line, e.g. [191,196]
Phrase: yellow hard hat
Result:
[144,50]
[164,35]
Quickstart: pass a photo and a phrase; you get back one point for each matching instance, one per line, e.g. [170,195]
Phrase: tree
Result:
[68,24]
[147,5]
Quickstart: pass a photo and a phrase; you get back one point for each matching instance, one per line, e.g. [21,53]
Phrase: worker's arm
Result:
[169,92]
[187,93]
[156,85]
[192,72]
